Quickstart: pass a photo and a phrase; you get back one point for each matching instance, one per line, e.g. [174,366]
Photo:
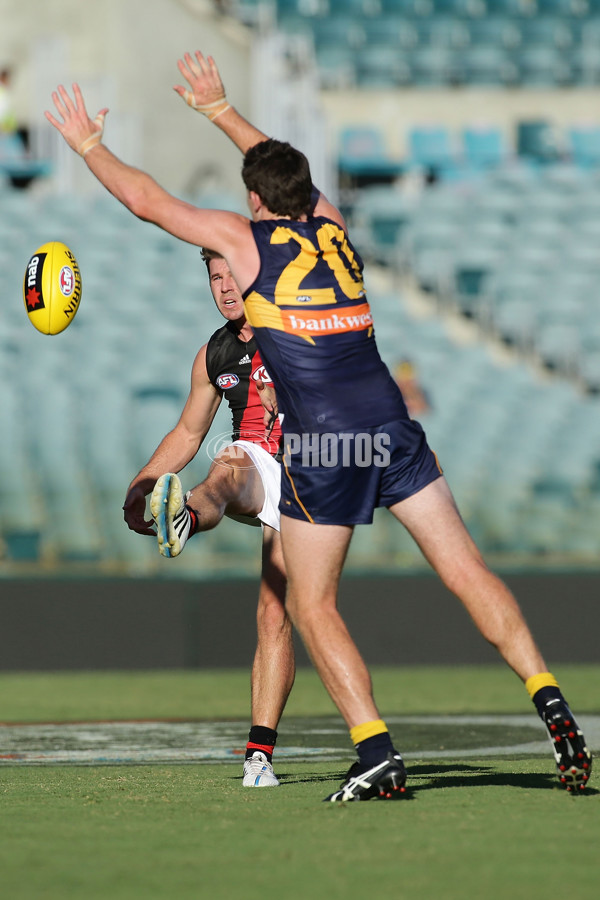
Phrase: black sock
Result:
[541,698]
[374,749]
[261,738]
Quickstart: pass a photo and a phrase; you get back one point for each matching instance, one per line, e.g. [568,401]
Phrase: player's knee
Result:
[460,576]
[272,615]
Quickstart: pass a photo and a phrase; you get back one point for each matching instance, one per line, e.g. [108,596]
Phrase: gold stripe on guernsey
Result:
[308,324]
[262,314]
[300,504]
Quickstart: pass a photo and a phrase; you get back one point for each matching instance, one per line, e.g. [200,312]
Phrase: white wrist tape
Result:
[210,110]
[94,138]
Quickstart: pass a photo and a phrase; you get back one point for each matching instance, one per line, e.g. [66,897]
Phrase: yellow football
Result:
[52,288]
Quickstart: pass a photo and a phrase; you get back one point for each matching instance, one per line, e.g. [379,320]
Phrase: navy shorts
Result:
[340,479]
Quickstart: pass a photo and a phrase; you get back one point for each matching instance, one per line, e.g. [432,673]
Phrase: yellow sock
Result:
[544,679]
[368,729]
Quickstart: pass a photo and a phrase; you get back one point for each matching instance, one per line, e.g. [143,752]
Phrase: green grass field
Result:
[484,825]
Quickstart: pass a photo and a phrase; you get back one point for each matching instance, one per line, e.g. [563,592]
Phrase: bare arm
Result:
[207,95]
[226,232]
[177,448]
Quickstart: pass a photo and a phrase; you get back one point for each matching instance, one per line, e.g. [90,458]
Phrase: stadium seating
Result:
[499,250]
[534,43]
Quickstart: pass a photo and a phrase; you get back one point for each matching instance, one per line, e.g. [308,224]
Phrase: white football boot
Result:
[173,520]
[258,771]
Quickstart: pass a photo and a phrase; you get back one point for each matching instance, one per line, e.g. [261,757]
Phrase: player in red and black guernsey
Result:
[244,484]
[349,445]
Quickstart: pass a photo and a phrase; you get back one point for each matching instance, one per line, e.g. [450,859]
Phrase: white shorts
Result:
[270,475]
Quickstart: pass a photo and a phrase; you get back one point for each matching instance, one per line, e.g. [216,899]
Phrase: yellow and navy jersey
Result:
[314,328]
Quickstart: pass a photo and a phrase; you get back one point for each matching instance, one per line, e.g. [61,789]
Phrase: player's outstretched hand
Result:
[79,131]
[134,510]
[206,94]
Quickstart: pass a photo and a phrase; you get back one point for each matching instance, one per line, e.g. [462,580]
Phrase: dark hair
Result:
[207,254]
[280,175]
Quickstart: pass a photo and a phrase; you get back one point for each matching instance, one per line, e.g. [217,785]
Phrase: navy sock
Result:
[541,698]
[374,749]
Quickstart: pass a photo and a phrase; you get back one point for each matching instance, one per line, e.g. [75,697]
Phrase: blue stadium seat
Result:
[356,8]
[433,66]
[573,8]
[331,32]
[384,215]
[484,146]
[381,67]
[494,31]
[395,31]
[585,64]
[463,8]
[487,65]
[551,31]
[17,164]
[442,31]
[474,264]
[510,7]
[362,153]
[336,66]
[537,141]
[407,7]
[431,149]
[543,66]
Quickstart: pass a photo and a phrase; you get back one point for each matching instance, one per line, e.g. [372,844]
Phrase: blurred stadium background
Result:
[462,140]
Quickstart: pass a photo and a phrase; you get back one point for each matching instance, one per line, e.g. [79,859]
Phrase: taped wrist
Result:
[210,110]
[94,138]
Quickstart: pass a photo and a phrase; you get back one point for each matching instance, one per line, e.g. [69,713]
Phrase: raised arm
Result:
[207,95]
[226,232]
[177,448]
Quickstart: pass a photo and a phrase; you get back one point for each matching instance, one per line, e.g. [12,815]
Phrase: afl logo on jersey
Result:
[261,374]
[227,381]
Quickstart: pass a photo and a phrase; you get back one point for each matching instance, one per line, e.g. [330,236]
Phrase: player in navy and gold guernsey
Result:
[349,444]
[244,483]
[309,311]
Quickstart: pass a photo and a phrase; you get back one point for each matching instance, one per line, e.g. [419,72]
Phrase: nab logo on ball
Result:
[52,288]
[227,381]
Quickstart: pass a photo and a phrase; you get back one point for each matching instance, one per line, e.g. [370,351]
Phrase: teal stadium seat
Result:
[494,31]
[432,149]
[547,30]
[584,145]
[515,8]
[414,8]
[443,31]
[484,147]
[483,65]
[364,155]
[355,8]
[464,8]
[329,32]
[567,8]
[433,66]
[399,32]
[382,66]
[541,65]
[336,66]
